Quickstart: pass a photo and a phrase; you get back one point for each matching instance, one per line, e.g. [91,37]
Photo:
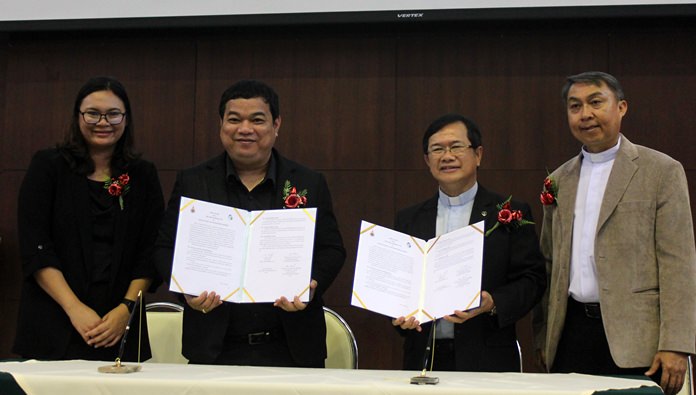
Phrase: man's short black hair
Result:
[249,89]
[472,130]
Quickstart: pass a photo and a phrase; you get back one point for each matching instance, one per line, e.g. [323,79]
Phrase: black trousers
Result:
[445,357]
[583,347]
[269,350]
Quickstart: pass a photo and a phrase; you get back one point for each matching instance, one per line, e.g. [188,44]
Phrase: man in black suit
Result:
[484,338]
[252,175]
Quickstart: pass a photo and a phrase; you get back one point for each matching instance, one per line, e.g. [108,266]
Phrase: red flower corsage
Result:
[118,187]
[508,217]
[292,198]
[548,194]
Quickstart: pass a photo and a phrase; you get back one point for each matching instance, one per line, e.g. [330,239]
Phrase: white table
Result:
[81,377]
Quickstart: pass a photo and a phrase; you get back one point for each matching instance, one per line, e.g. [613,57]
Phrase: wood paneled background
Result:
[355,100]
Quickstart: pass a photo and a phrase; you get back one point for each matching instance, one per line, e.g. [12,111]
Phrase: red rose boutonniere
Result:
[118,187]
[508,217]
[549,193]
[292,198]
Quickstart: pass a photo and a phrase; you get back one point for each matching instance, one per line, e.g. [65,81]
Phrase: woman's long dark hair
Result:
[74,147]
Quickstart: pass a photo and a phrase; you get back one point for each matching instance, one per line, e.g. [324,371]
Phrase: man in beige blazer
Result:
[618,240]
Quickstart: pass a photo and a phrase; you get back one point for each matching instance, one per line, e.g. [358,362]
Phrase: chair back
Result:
[164,324]
[688,388]
[519,355]
[341,347]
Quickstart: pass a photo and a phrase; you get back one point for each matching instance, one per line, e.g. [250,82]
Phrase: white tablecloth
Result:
[81,377]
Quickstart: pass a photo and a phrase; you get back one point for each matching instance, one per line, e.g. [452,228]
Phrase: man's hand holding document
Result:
[243,256]
[402,276]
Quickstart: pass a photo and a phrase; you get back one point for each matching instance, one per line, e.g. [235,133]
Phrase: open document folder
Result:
[400,275]
[244,256]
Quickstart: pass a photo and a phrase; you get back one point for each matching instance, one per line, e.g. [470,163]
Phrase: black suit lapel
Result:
[484,208]
[121,221]
[120,230]
[429,225]
[215,190]
[285,171]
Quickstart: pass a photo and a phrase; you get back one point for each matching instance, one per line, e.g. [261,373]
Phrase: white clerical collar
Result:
[459,200]
[604,156]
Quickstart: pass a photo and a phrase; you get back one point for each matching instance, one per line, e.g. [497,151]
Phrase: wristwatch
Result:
[129,304]
[493,311]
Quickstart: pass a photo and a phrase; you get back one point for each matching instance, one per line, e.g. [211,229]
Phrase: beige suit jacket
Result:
[644,253]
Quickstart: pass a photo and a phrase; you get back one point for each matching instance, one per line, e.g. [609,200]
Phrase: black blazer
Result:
[305,330]
[54,226]
[513,273]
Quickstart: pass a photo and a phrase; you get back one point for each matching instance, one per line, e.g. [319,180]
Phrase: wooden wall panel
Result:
[38,101]
[354,102]
[336,94]
[3,93]
[659,80]
[357,196]
[9,253]
[167,179]
[363,195]
[44,75]
[507,81]
[10,267]
[413,186]
[8,198]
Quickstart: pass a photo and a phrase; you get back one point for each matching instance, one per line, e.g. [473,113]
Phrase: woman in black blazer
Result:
[88,215]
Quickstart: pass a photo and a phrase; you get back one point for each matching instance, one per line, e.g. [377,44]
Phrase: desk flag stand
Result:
[118,367]
[429,356]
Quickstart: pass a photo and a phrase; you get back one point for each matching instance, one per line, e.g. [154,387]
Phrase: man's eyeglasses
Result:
[112,117]
[455,149]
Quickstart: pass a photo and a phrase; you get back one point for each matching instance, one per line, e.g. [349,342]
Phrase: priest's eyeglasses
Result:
[437,151]
[112,117]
